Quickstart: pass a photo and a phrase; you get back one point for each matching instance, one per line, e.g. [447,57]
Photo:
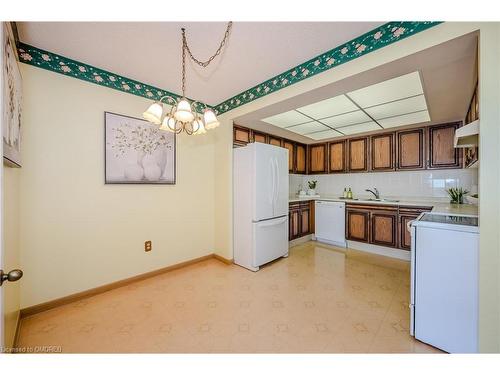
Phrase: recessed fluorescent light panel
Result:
[396,102]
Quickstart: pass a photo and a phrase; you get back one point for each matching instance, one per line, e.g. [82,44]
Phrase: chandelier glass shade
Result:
[183,115]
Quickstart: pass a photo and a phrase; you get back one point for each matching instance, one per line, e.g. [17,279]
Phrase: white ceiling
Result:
[395,102]
[151,52]
[447,75]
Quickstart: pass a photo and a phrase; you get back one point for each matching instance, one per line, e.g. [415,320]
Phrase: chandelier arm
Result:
[204,64]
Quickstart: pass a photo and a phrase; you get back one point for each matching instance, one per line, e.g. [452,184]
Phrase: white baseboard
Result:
[380,250]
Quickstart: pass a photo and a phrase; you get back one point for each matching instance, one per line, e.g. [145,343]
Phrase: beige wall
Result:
[490,158]
[76,232]
[10,250]
[489,187]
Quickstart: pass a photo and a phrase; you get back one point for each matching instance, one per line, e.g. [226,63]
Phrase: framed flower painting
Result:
[137,152]
[11,99]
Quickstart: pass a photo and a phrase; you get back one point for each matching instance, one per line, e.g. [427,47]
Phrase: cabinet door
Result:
[241,136]
[357,159]
[404,233]
[410,149]
[294,222]
[336,151]
[382,155]
[384,228]
[357,228]
[305,220]
[274,141]
[259,137]
[291,155]
[317,158]
[300,151]
[442,153]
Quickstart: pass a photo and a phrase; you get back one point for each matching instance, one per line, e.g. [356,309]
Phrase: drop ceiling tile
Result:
[329,107]
[285,119]
[308,128]
[386,91]
[408,119]
[397,108]
[360,128]
[324,135]
[346,119]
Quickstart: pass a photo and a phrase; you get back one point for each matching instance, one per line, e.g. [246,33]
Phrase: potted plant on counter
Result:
[457,195]
[312,187]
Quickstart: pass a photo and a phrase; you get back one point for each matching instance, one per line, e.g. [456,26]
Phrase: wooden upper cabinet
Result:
[384,228]
[410,149]
[382,155]
[317,158]
[300,158]
[336,152]
[357,158]
[442,153]
[275,141]
[241,136]
[291,155]
[259,137]
[357,226]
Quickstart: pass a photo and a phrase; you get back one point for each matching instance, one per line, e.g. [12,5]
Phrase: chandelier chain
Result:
[204,64]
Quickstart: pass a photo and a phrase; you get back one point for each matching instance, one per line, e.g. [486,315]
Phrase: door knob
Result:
[13,275]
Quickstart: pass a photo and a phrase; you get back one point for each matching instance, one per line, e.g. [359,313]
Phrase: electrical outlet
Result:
[148,246]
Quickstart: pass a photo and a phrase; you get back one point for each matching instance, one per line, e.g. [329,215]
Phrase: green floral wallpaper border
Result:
[380,37]
[60,64]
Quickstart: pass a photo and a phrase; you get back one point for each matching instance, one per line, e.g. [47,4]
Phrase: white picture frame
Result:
[137,152]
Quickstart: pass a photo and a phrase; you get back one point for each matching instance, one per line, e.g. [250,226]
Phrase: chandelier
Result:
[183,115]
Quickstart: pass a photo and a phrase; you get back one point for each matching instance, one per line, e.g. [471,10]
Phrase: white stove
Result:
[444,281]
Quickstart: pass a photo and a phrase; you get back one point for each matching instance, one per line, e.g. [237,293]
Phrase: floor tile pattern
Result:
[318,300]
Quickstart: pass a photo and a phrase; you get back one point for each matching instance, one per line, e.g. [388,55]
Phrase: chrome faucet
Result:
[374,192]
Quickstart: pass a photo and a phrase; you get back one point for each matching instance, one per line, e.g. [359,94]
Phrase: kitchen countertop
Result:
[437,206]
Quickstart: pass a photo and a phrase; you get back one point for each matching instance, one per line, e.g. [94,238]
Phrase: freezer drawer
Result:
[270,240]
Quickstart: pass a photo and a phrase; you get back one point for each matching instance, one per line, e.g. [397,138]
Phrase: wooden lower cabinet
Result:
[384,228]
[357,224]
[301,219]
[407,214]
[381,225]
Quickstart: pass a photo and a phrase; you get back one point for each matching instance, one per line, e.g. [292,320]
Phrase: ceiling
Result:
[432,86]
[388,104]
[150,52]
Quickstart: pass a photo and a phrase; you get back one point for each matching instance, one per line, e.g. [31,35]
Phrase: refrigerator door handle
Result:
[271,193]
[271,223]
[277,182]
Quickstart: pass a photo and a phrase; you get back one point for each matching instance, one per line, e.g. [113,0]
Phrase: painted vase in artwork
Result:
[133,172]
[152,170]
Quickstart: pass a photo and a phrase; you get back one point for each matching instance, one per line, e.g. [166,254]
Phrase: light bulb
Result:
[168,124]
[183,111]
[210,119]
[153,113]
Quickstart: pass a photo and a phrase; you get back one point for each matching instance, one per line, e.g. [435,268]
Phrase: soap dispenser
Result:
[349,194]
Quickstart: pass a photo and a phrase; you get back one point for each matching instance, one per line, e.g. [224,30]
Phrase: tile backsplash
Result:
[411,184]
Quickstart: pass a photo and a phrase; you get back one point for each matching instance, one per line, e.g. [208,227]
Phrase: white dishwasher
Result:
[329,221]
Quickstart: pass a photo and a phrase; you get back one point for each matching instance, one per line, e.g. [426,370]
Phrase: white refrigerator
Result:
[260,204]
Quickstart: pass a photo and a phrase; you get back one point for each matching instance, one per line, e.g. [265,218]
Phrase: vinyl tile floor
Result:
[318,300]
